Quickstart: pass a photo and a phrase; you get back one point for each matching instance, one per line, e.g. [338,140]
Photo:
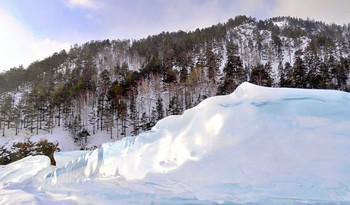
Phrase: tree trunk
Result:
[59,116]
[52,159]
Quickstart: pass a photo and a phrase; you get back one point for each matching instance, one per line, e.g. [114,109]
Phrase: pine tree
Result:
[75,127]
[312,66]
[153,118]
[105,83]
[145,122]
[260,76]
[6,109]
[234,74]
[299,73]
[134,116]
[159,107]
[183,74]
[82,137]
[341,76]
[109,118]
[174,108]
[277,43]
[122,115]
[282,75]
[288,70]
[211,64]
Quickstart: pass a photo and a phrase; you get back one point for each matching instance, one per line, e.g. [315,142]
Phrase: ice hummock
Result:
[256,145]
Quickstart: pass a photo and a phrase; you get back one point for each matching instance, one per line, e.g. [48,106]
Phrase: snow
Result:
[255,146]
[58,134]
[17,98]
[281,24]
[66,143]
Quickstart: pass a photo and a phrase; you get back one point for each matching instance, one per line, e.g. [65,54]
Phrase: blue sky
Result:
[34,29]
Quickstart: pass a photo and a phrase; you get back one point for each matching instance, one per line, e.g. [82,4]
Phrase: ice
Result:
[255,146]
[24,169]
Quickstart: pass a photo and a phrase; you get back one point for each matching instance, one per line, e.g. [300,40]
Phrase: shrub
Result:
[21,150]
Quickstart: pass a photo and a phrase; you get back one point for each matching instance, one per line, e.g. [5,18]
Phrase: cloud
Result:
[335,11]
[140,18]
[20,47]
[92,4]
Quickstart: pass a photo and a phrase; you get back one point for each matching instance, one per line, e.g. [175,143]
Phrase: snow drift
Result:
[259,145]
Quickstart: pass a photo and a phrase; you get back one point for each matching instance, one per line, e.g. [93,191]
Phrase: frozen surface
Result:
[256,146]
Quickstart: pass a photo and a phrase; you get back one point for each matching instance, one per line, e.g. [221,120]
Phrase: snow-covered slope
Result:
[257,145]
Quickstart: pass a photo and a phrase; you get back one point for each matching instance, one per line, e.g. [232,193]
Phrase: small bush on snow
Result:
[21,150]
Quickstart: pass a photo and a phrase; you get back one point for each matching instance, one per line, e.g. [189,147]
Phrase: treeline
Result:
[123,88]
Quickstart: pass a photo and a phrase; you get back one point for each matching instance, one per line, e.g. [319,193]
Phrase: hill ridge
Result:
[118,88]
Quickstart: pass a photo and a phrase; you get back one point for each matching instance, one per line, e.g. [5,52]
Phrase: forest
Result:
[123,87]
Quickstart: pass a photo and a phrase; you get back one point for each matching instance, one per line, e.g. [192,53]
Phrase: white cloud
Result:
[335,11]
[171,16]
[186,15]
[20,47]
[92,4]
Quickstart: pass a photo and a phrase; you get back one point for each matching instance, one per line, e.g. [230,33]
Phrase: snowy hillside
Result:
[257,145]
[103,91]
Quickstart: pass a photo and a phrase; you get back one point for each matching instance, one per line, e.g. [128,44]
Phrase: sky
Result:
[31,30]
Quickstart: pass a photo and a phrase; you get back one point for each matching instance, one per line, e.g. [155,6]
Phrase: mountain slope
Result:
[256,145]
[112,89]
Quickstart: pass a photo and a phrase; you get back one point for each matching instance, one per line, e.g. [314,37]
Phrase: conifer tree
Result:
[145,122]
[234,74]
[211,65]
[183,74]
[134,115]
[260,76]
[299,73]
[159,107]
[174,108]
[104,85]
